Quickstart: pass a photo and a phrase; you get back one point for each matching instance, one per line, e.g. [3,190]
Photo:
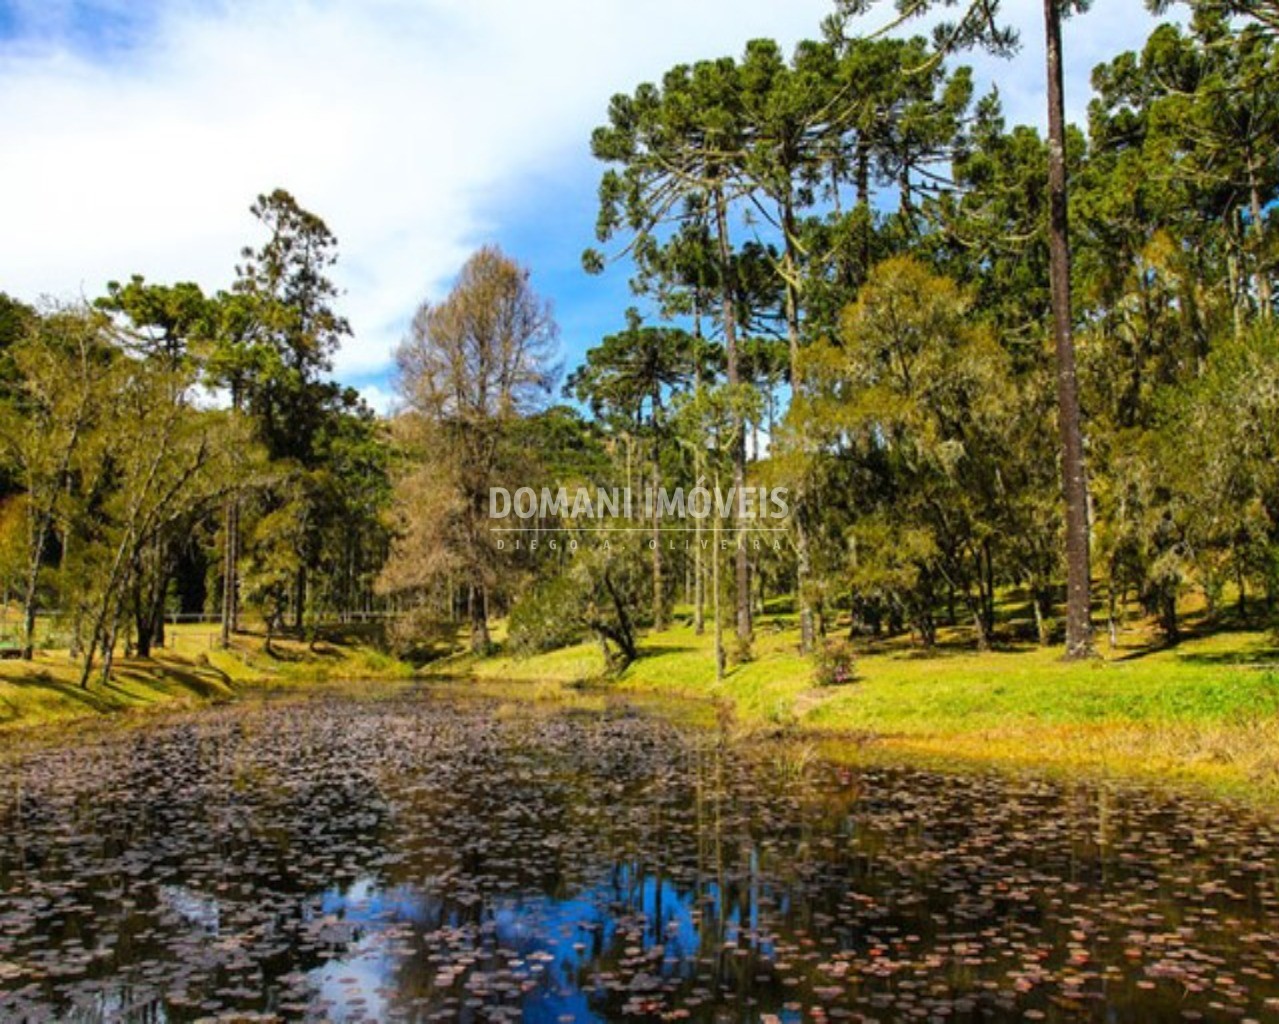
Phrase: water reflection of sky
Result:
[507,889]
[555,942]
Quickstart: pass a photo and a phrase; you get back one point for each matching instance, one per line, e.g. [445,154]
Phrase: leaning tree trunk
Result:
[624,634]
[108,649]
[1074,484]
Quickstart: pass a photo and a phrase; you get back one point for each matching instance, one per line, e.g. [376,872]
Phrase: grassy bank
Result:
[192,669]
[1204,712]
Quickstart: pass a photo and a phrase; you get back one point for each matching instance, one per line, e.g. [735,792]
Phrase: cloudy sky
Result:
[137,132]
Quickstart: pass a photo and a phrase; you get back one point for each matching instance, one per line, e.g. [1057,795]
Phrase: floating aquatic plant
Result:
[424,859]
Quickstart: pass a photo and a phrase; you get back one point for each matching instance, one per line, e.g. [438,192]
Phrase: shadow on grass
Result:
[169,679]
[951,647]
[1197,628]
[656,648]
[1264,658]
[277,653]
[93,699]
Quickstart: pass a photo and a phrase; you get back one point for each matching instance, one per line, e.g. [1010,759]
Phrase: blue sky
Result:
[137,133]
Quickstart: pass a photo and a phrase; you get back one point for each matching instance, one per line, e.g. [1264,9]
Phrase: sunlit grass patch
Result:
[191,669]
[1205,712]
[47,689]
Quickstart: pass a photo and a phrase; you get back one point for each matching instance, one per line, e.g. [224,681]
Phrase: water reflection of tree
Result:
[607,864]
[129,838]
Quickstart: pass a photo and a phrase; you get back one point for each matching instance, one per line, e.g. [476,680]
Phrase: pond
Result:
[421,858]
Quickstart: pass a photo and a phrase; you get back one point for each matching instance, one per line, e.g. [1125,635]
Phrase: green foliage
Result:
[472,369]
[834,663]
[631,368]
[421,634]
[544,619]
[846,260]
[601,590]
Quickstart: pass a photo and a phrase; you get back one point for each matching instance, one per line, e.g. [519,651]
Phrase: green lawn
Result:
[1206,711]
[191,670]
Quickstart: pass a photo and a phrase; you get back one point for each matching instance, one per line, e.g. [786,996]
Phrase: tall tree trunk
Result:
[715,597]
[1234,273]
[299,599]
[41,524]
[988,590]
[1264,299]
[478,607]
[1168,614]
[230,560]
[106,620]
[863,206]
[979,625]
[108,649]
[30,587]
[659,612]
[149,598]
[1074,484]
[236,537]
[1112,618]
[699,581]
[802,561]
[1037,606]
[231,549]
[150,622]
[624,634]
[143,622]
[699,569]
[727,295]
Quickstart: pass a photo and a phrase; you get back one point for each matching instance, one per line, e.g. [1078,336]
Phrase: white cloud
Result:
[1109,28]
[380,399]
[399,122]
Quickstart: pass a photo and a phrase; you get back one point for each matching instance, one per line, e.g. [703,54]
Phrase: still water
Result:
[421,858]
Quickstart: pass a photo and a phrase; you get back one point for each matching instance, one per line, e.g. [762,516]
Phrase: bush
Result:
[542,619]
[420,634]
[835,663]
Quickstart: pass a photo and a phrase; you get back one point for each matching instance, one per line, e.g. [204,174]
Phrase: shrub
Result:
[543,620]
[420,634]
[835,663]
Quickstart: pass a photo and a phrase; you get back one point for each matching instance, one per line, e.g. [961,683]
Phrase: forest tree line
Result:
[168,451]
[846,261]
[848,253]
